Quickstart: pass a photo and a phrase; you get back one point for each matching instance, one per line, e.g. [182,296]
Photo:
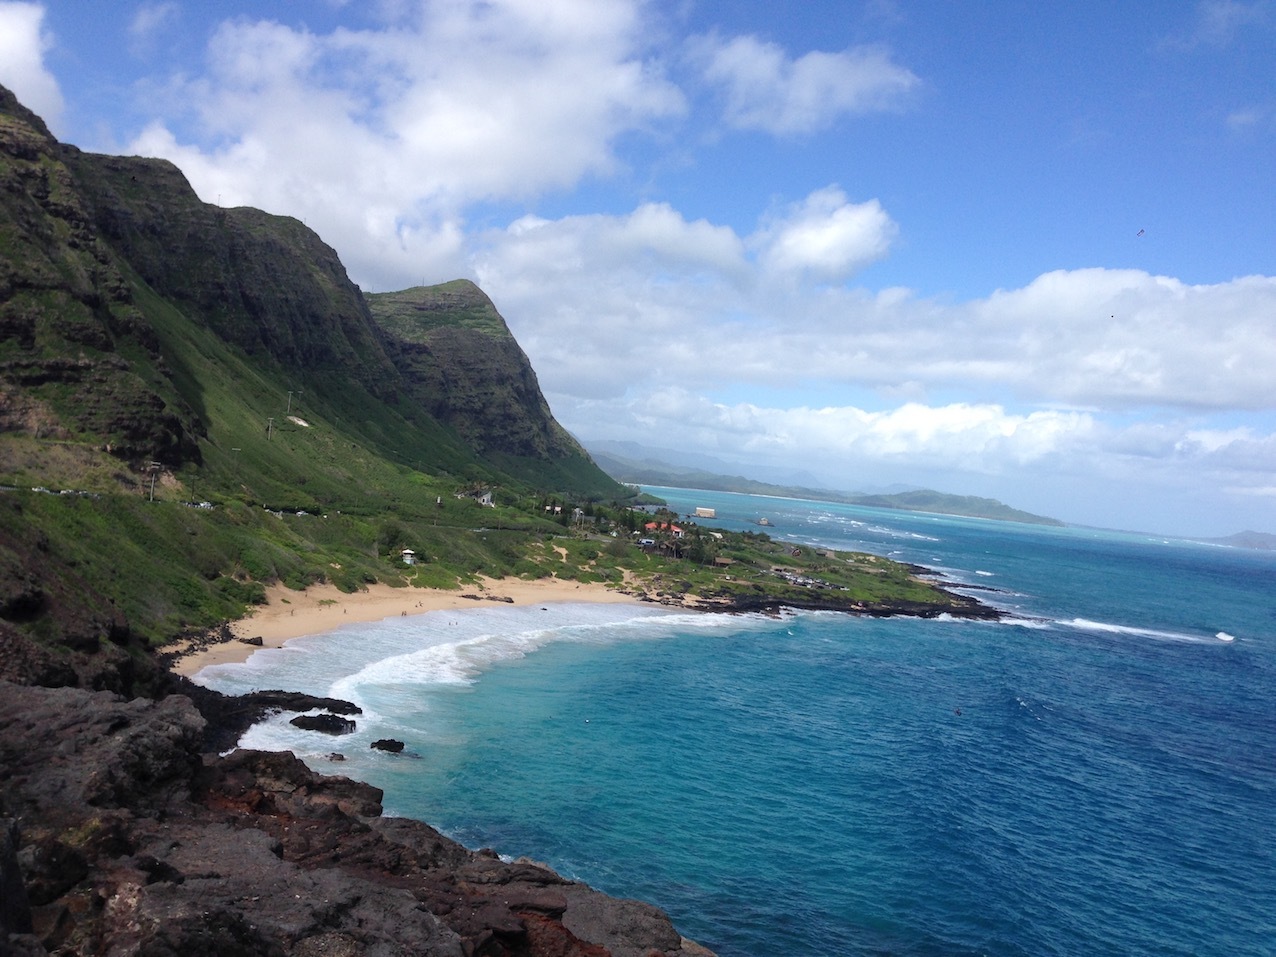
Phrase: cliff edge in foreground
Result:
[117,837]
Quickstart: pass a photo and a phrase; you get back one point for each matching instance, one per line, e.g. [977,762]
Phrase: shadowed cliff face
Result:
[106,262]
[76,354]
[461,363]
[265,283]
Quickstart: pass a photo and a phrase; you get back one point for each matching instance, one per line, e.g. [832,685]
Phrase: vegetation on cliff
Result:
[196,401]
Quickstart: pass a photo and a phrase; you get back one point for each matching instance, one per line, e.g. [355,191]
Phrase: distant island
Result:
[653,472]
[1263,541]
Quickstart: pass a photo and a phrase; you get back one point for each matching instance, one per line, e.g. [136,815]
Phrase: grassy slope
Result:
[169,567]
[207,367]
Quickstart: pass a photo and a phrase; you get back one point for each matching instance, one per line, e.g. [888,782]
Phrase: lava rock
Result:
[326,723]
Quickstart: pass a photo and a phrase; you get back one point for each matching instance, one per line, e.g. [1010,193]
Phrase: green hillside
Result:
[157,353]
[196,402]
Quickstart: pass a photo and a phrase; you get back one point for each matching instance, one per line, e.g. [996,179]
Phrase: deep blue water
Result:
[1097,777]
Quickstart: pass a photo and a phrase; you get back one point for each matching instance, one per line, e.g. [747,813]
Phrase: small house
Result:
[673,530]
[409,556]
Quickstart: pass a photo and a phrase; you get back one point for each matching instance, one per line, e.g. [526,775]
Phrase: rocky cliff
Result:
[118,285]
[71,336]
[118,837]
[462,365]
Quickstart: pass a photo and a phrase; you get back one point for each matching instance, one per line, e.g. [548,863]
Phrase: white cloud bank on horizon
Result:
[1114,339]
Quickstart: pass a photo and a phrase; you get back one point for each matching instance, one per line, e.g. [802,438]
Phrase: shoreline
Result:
[318,609]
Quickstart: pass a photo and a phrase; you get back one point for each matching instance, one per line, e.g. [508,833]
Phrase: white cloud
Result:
[1218,23]
[1124,337]
[148,22]
[1092,338]
[765,89]
[980,436]
[827,237]
[23,44]
[385,137]
[637,324]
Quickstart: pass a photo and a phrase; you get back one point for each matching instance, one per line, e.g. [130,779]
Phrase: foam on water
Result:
[394,669]
[1094,777]
[1102,627]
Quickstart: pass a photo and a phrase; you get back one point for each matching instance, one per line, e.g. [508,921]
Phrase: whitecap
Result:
[1034,624]
[1103,627]
[461,662]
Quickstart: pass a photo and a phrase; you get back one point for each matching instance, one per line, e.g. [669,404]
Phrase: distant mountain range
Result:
[1263,541]
[652,471]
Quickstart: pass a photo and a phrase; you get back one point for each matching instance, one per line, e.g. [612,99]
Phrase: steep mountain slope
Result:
[157,351]
[77,357]
[462,365]
[138,320]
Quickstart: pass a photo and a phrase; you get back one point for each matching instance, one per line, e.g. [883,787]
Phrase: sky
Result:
[1010,249]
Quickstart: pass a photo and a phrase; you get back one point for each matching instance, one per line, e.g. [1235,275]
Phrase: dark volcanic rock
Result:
[230,716]
[15,911]
[387,744]
[326,723]
[25,662]
[130,844]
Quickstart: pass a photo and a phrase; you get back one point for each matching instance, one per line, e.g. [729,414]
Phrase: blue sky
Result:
[1010,249]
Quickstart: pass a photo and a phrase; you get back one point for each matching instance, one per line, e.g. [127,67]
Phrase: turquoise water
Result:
[1096,777]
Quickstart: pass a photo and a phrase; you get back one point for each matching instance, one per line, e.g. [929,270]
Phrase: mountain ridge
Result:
[115,261]
[661,473]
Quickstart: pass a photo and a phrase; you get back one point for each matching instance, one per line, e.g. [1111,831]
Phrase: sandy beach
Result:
[291,614]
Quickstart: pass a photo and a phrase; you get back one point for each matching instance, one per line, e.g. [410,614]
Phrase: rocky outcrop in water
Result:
[118,836]
[323,723]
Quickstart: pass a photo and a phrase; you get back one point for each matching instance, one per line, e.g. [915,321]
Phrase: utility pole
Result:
[153,467]
[291,393]
[270,427]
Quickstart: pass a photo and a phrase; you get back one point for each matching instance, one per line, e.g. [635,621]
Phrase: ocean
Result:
[1095,775]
